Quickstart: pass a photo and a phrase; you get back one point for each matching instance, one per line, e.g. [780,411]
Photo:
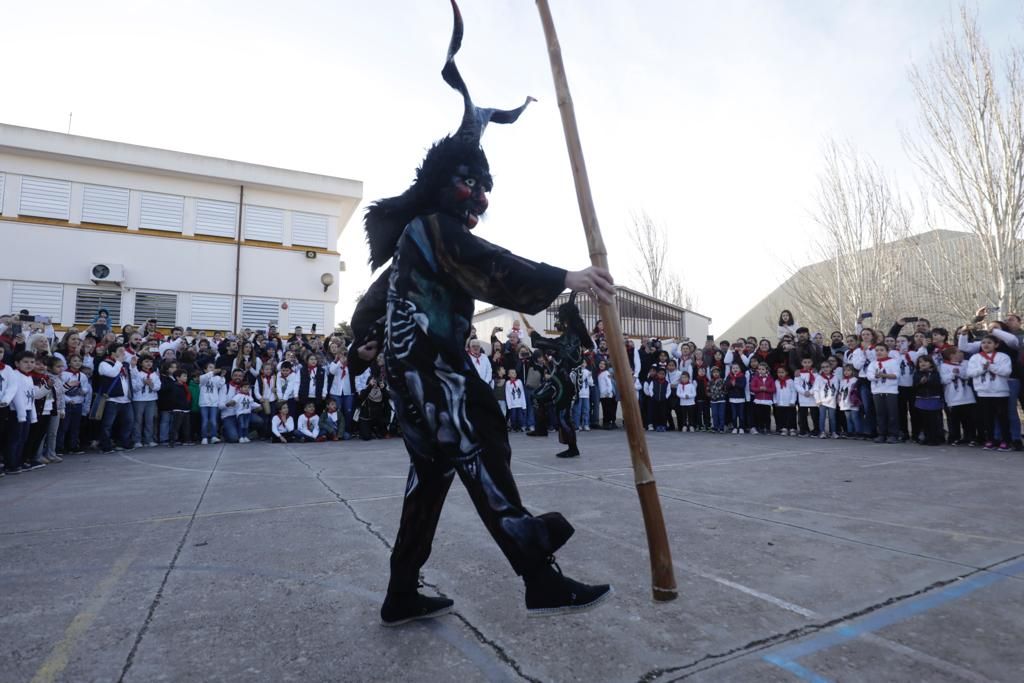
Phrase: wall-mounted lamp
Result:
[326,280]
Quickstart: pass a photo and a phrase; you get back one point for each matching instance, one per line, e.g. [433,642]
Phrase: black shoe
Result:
[559,530]
[548,593]
[569,453]
[536,433]
[401,608]
[34,465]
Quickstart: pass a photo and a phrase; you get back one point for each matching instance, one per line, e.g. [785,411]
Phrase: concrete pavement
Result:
[797,559]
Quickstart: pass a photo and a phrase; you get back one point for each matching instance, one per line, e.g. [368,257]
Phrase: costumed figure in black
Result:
[561,386]
[418,314]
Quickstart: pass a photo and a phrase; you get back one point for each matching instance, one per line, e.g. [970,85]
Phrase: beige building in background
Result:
[935,275]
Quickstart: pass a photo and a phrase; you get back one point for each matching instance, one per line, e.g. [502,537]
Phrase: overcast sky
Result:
[709,115]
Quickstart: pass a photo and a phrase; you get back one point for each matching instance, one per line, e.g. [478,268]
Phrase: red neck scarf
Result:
[782,382]
[990,359]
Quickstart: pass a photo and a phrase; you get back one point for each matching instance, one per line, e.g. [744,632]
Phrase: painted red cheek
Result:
[462,193]
[482,202]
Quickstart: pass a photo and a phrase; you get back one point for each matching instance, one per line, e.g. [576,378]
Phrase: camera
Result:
[499,329]
[912,319]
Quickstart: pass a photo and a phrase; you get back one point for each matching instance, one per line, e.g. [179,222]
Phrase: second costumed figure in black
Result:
[419,313]
[560,388]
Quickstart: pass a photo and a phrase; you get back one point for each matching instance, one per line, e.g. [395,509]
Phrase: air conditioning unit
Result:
[107,272]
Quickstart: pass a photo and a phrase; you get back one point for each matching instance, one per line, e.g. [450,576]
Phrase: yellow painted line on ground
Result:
[61,654]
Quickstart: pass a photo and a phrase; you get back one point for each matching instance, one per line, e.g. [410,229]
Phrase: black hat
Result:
[386,218]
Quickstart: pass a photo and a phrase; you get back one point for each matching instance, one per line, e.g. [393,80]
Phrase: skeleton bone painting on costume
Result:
[418,313]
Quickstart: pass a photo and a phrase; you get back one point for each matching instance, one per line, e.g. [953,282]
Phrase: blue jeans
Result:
[530,418]
[867,406]
[119,415]
[346,406]
[718,415]
[166,418]
[829,414]
[145,414]
[17,435]
[244,422]
[516,417]
[581,411]
[230,425]
[1014,417]
[70,427]
[208,421]
[853,421]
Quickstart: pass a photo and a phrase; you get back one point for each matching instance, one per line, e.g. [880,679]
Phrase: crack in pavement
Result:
[718,658]
[501,653]
[167,575]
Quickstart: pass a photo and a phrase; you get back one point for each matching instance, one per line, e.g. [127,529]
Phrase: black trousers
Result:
[181,427]
[992,411]
[36,434]
[803,412]
[449,432]
[762,417]
[609,406]
[930,422]
[962,423]
[905,407]
[785,417]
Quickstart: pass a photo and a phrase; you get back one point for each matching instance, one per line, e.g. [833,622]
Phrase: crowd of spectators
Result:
[98,389]
[912,382]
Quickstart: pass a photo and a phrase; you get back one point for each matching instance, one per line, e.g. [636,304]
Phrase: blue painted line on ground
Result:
[797,670]
[786,657]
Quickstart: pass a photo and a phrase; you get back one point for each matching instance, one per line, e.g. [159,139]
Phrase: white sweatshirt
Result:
[340,384]
[142,391]
[908,363]
[482,365]
[211,390]
[785,396]
[79,395]
[805,382]
[861,359]
[287,387]
[989,374]
[26,393]
[847,387]
[278,427]
[687,393]
[881,385]
[956,386]
[8,385]
[826,390]
[606,385]
[309,425]
[515,394]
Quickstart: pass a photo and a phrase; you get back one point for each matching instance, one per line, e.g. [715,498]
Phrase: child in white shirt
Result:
[959,396]
[283,426]
[515,400]
[990,369]
[884,373]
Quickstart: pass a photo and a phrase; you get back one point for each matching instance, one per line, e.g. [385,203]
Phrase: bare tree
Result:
[652,267]
[970,150]
[859,263]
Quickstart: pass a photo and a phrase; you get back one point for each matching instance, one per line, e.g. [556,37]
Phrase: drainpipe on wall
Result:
[238,257]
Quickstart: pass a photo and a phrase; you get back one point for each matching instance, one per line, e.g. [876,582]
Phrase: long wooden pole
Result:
[663,581]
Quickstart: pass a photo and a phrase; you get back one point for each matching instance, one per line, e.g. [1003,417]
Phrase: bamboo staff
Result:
[663,581]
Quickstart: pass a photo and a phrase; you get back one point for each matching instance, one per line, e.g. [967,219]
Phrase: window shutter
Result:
[257,313]
[163,307]
[89,301]
[306,313]
[309,229]
[39,298]
[216,218]
[45,198]
[105,205]
[2,178]
[211,312]
[263,223]
[162,212]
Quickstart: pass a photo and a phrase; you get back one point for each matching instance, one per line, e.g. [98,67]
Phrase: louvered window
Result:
[162,211]
[163,307]
[257,313]
[216,218]
[305,313]
[38,298]
[211,312]
[263,223]
[89,301]
[309,229]
[105,205]
[45,198]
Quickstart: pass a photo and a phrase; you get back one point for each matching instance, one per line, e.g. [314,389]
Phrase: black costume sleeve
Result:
[368,321]
[493,274]
[543,343]
[894,331]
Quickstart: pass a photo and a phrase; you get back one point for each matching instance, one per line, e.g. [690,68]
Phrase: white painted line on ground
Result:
[896,462]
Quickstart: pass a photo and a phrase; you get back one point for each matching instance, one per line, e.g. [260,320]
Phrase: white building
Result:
[151,233]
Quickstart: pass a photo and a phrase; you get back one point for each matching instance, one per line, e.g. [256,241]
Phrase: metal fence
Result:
[640,315]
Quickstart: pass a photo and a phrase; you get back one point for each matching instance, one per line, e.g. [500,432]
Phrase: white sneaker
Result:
[587,428]
[735,431]
[151,444]
[753,430]
[214,440]
[823,435]
[205,442]
[243,440]
[137,445]
[835,436]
